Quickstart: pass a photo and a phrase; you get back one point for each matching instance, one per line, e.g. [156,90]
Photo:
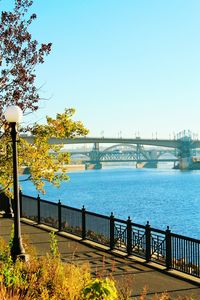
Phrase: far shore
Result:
[76,168]
[70,168]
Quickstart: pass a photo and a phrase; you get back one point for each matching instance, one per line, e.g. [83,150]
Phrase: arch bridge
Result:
[183,148]
[126,153]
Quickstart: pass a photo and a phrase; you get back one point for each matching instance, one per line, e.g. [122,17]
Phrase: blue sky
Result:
[126,66]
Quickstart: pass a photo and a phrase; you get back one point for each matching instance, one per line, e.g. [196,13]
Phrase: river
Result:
[161,196]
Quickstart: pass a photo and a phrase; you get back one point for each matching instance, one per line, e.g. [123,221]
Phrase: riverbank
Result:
[71,168]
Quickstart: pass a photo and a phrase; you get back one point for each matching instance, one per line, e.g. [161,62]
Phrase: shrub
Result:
[103,289]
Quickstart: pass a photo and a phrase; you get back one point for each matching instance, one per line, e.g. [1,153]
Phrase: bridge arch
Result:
[81,155]
[164,153]
[134,152]
[120,145]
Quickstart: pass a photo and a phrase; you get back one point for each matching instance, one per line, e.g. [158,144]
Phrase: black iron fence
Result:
[163,247]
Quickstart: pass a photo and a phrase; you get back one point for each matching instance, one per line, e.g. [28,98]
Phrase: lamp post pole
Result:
[13,115]
[17,247]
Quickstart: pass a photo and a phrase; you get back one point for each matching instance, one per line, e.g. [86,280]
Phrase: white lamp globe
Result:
[13,114]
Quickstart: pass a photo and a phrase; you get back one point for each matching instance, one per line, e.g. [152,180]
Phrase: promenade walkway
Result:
[127,270]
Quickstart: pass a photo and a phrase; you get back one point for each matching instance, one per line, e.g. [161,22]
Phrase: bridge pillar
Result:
[96,147]
[94,163]
[93,166]
[185,153]
[185,163]
[140,165]
[151,165]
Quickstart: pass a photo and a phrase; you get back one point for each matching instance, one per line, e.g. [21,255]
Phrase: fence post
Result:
[83,223]
[20,203]
[168,249]
[129,236]
[38,209]
[112,232]
[148,241]
[59,216]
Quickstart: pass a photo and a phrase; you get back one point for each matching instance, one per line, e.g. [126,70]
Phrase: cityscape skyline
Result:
[128,68]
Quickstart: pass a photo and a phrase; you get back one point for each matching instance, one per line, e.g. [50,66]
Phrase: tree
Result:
[19,55]
[44,161]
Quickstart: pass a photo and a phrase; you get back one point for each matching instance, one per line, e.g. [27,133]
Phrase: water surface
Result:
[161,196]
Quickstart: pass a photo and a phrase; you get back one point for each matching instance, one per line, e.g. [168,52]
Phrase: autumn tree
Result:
[19,56]
[44,161]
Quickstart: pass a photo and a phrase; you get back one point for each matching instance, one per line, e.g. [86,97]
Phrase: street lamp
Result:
[13,115]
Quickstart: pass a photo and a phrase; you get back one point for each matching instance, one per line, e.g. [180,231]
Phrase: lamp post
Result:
[13,115]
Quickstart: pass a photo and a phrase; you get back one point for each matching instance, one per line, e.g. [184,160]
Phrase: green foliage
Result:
[102,289]
[54,245]
[45,162]
[12,274]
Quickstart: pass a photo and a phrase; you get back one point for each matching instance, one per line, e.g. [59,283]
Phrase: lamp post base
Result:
[17,250]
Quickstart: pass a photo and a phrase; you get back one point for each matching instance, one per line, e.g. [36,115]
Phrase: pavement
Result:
[127,271]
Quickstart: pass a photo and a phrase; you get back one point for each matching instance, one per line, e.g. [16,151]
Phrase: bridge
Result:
[183,149]
[125,153]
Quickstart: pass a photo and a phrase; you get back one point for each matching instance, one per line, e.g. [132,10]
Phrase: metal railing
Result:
[163,247]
